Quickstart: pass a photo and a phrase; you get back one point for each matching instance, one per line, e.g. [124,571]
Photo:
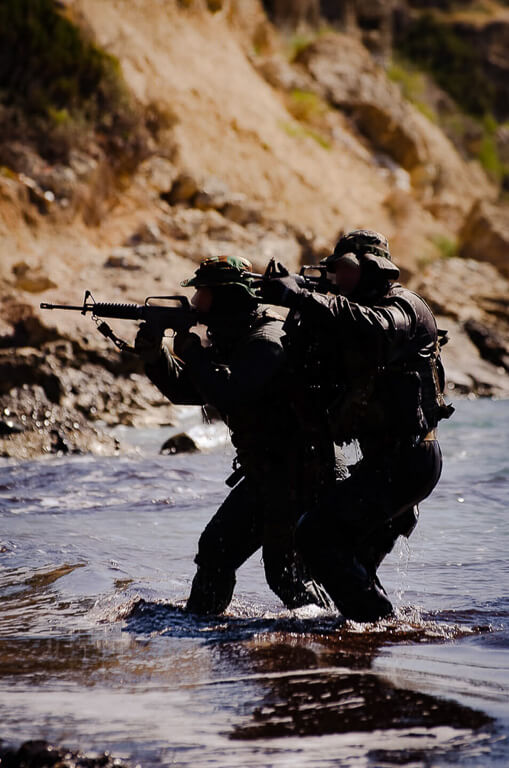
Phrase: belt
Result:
[430,436]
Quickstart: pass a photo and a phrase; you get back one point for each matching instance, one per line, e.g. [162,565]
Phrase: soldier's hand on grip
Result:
[184,342]
[147,343]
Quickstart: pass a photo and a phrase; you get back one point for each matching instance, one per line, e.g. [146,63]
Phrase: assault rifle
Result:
[179,317]
[313,277]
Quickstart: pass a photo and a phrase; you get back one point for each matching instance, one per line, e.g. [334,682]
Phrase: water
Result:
[95,651]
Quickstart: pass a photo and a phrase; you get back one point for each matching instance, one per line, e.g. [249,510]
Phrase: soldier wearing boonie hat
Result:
[243,374]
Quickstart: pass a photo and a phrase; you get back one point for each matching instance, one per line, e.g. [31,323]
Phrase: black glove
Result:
[147,343]
[185,343]
[279,286]
[282,291]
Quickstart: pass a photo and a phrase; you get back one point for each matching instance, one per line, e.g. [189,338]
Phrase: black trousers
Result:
[247,520]
[344,540]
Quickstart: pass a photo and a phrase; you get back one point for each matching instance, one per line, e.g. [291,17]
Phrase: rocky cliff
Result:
[203,128]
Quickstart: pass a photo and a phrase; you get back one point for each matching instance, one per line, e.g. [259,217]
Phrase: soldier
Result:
[243,373]
[380,367]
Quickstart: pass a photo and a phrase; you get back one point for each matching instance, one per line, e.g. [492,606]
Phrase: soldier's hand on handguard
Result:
[147,343]
[184,343]
[282,291]
[278,286]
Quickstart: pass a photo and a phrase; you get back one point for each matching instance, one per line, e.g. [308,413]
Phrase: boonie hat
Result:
[223,270]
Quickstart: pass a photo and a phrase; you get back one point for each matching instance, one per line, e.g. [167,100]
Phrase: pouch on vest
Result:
[385,405]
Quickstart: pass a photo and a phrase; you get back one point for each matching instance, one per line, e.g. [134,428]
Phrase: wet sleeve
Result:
[381,332]
[172,379]
[246,379]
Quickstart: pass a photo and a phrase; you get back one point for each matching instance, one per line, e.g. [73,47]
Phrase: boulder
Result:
[491,344]
[30,279]
[21,158]
[21,326]
[460,288]
[485,235]
[467,373]
[183,190]
[181,443]
[471,300]
[280,73]
[29,367]
[348,78]
[240,210]
[213,194]
[63,397]
[34,425]
[121,258]
[61,180]
[147,233]
[158,174]
[239,229]
[346,75]
[182,223]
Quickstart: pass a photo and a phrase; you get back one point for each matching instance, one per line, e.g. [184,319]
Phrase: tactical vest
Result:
[266,425]
[401,401]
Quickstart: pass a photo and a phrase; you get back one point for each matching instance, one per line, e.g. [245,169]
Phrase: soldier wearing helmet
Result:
[243,373]
[383,379]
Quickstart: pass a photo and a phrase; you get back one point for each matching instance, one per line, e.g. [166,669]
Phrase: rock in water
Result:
[180,443]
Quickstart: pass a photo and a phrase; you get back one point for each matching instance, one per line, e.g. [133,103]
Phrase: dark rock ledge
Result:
[41,754]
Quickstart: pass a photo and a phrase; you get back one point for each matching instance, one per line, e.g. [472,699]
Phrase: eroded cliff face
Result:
[247,152]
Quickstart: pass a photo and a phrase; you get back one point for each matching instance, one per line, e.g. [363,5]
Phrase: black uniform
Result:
[243,374]
[385,380]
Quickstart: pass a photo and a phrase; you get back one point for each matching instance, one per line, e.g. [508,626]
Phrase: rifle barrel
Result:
[45,305]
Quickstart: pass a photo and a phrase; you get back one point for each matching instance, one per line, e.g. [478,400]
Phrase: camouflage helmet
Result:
[364,245]
[223,270]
